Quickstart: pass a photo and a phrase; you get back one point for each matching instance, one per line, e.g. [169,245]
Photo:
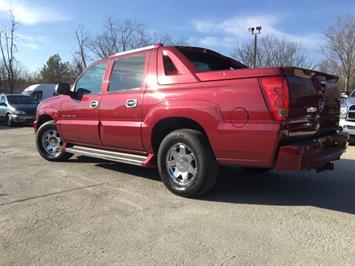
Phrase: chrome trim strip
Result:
[108,155]
[302,133]
[298,121]
[312,109]
[138,49]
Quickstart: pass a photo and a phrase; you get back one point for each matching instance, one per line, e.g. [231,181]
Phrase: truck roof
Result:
[138,49]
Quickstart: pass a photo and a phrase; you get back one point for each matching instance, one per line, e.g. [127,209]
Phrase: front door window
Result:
[91,80]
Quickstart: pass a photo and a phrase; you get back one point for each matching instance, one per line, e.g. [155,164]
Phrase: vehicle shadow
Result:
[333,190]
[330,190]
[150,173]
[4,126]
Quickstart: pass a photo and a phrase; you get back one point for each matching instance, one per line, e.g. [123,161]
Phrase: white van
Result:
[40,91]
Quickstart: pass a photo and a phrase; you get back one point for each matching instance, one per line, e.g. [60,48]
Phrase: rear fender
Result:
[206,114]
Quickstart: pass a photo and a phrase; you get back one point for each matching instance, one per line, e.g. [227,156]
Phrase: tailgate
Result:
[313,102]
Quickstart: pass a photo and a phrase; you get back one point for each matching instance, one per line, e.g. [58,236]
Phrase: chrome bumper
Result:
[347,126]
[23,118]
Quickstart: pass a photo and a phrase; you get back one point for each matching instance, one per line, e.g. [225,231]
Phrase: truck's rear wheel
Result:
[49,143]
[186,163]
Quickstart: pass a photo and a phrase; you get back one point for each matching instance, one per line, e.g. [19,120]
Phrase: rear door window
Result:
[127,73]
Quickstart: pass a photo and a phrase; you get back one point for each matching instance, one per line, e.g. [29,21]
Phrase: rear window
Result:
[21,99]
[206,60]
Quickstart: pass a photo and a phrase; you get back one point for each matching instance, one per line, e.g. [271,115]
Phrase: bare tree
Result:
[340,49]
[332,67]
[245,54]
[166,39]
[119,36]
[8,49]
[273,51]
[81,52]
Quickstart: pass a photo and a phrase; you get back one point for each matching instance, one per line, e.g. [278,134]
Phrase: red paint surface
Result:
[229,105]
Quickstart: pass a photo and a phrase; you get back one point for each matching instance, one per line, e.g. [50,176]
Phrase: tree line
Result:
[338,52]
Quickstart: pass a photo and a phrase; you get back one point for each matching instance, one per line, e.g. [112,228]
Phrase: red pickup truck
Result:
[189,110]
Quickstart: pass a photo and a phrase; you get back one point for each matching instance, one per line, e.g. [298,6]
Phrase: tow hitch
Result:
[327,166]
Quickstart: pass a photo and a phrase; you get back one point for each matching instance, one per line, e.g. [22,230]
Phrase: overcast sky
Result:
[47,26]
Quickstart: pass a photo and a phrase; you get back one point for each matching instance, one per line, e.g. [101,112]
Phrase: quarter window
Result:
[169,66]
[91,80]
[127,73]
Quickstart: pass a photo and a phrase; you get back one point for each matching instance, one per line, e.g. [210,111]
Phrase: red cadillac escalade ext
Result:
[189,110]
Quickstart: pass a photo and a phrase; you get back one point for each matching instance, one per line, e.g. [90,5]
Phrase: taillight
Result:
[276,92]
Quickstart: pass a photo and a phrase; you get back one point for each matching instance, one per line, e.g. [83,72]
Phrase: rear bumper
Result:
[311,154]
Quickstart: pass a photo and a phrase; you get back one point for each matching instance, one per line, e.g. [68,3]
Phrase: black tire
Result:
[9,121]
[60,156]
[206,165]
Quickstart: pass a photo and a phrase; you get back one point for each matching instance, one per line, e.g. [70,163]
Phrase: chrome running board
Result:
[108,155]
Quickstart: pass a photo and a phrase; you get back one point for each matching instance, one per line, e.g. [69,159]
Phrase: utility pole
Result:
[255,31]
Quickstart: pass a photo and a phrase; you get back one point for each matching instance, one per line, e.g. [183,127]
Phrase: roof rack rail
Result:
[139,49]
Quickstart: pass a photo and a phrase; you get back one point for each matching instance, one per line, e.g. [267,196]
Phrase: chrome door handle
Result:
[131,103]
[94,104]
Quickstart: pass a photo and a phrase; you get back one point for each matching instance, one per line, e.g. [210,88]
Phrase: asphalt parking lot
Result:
[92,212]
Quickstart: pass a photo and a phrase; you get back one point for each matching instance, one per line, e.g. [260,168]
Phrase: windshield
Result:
[207,60]
[21,99]
[353,94]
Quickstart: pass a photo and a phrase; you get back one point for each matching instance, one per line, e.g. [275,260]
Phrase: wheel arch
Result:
[169,124]
[43,118]
[169,116]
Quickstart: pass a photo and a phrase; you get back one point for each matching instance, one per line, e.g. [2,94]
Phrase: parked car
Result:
[343,98]
[40,91]
[347,115]
[189,110]
[17,108]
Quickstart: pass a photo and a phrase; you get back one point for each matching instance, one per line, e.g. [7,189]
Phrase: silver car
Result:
[347,115]
[17,108]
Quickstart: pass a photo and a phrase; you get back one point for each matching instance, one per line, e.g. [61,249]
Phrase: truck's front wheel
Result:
[49,143]
[186,163]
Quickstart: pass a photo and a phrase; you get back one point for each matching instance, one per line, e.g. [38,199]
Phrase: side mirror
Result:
[63,88]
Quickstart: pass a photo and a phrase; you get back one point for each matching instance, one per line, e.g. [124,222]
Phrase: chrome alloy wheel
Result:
[181,164]
[52,143]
